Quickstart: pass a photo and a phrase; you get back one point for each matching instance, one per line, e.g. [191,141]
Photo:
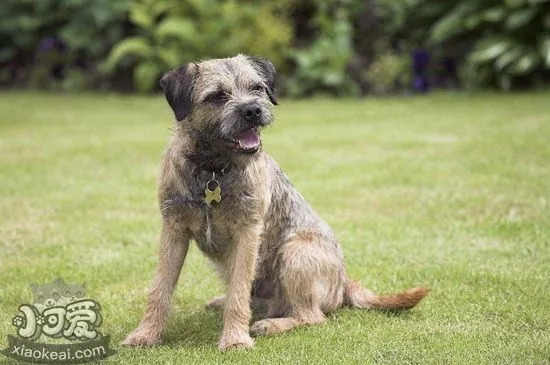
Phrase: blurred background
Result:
[344,47]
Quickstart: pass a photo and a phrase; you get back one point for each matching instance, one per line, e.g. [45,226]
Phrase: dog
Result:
[219,188]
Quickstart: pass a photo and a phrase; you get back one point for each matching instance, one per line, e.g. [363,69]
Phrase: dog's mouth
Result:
[247,141]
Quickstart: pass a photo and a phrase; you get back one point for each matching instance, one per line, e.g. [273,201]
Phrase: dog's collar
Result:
[217,172]
[178,202]
[202,200]
[214,195]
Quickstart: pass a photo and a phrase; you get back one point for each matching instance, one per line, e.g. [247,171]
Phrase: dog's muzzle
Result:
[253,118]
[252,113]
[247,141]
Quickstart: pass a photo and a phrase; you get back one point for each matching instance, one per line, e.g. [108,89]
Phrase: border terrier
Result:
[219,188]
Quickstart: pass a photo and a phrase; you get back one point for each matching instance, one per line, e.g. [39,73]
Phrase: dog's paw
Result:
[142,337]
[261,327]
[235,340]
[217,303]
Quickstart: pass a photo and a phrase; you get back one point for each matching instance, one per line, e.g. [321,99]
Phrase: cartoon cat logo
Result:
[60,311]
[55,294]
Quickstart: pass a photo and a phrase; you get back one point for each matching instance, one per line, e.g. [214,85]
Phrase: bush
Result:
[510,39]
[171,33]
[389,72]
[323,65]
[500,43]
[46,36]
[340,47]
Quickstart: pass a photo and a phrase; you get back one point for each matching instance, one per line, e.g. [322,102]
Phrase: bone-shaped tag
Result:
[210,195]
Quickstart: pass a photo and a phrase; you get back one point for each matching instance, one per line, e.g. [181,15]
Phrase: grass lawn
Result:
[447,191]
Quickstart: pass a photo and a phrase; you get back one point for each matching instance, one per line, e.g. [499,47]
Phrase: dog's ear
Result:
[266,69]
[178,86]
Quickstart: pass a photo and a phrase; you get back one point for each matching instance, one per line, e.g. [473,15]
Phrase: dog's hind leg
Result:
[217,302]
[311,278]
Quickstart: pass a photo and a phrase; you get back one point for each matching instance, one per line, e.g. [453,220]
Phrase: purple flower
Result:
[48,44]
[421,59]
[421,84]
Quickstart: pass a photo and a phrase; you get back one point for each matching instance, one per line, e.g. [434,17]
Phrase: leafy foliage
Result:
[502,43]
[388,72]
[338,47]
[323,65]
[84,30]
[512,41]
[170,33]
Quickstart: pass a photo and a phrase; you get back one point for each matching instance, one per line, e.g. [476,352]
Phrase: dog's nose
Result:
[251,111]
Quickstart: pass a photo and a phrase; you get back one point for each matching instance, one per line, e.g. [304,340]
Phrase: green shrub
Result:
[389,72]
[512,39]
[319,45]
[171,33]
[501,43]
[86,28]
[322,66]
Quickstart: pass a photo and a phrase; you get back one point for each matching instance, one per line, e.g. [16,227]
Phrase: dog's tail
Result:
[360,297]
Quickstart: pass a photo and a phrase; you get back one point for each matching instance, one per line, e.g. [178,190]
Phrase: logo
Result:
[60,327]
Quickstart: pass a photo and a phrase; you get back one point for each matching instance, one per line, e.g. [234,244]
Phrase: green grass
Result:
[448,191]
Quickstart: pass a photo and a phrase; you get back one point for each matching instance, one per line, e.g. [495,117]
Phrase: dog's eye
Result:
[258,87]
[217,97]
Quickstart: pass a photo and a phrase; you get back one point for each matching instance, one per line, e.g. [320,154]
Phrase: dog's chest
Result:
[221,223]
[215,236]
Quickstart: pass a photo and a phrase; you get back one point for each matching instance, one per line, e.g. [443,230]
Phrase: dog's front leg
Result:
[174,244]
[242,266]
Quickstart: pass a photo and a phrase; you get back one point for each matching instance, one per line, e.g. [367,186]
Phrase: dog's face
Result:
[224,103]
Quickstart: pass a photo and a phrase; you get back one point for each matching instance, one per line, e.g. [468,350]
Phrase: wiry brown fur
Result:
[264,238]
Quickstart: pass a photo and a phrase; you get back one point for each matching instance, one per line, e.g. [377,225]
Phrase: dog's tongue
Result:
[249,139]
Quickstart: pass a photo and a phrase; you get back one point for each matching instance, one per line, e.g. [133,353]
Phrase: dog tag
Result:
[213,195]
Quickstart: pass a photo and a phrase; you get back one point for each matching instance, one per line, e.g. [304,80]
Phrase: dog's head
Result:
[224,103]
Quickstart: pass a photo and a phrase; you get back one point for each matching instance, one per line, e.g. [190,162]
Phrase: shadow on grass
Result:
[200,328]
[203,327]
[396,313]
[195,329]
